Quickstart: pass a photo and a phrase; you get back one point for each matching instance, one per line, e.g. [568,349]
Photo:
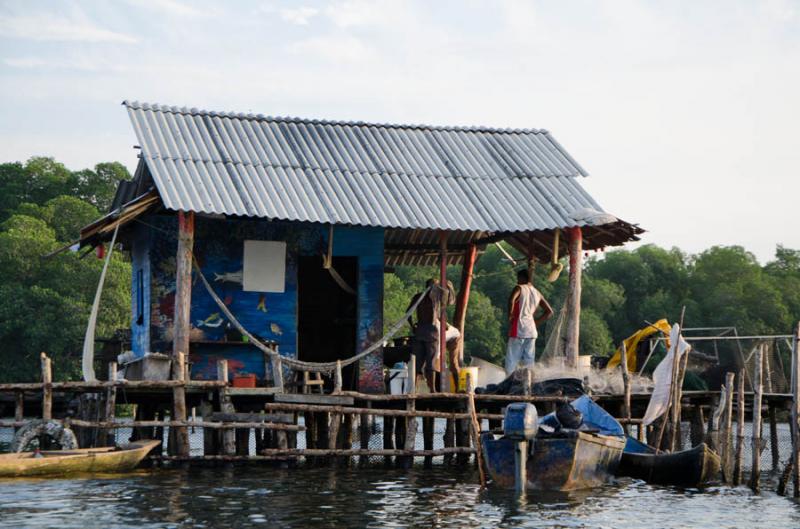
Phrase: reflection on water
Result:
[260,496]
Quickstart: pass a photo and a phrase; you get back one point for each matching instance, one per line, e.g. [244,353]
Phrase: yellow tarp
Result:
[632,342]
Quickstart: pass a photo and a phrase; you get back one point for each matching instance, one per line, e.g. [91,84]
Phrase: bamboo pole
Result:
[626,386]
[47,389]
[475,430]
[739,464]
[116,425]
[104,384]
[111,402]
[758,388]
[347,410]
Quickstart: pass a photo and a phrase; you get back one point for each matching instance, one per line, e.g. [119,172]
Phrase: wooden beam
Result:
[47,388]
[574,296]
[312,398]
[183,285]
[462,301]
[443,309]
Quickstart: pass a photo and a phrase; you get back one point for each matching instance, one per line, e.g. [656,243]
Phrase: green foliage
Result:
[45,303]
[723,286]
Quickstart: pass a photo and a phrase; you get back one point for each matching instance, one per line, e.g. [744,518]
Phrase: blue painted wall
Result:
[219,246]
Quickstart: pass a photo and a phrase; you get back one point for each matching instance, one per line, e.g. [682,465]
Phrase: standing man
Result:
[425,345]
[522,333]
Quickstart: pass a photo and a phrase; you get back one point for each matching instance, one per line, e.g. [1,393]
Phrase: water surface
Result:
[368,498]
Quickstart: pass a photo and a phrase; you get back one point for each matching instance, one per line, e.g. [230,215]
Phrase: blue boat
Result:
[556,459]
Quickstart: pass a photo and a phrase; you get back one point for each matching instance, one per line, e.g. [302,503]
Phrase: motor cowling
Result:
[521,421]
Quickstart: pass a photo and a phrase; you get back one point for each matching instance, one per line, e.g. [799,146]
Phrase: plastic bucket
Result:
[398,381]
[462,379]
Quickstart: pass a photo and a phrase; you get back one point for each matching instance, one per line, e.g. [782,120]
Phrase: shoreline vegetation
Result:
[44,303]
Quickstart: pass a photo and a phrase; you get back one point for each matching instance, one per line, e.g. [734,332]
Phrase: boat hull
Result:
[695,467]
[579,461]
[88,460]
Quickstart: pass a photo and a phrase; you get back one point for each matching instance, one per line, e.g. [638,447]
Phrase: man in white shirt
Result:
[522,332]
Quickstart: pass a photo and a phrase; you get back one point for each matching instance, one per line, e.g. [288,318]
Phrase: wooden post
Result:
[460,316]
[182,327]
[427,439]
[111,403]
[726,435]
[333,430]
[795,426]
[758,388]
[19,407]
[475,429]
[773,437]
[388,438]
[337,377]
[626,387]
[448,439]
[226,406]
[411,422]
[714,419]
[574,296]
[364,435]
[676,441]
[181,435]
[277,372]
[183,285]
[47,389]
[739,458]
[697,426]
[443,384]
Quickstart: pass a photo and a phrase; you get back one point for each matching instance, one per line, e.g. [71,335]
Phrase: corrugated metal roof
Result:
[395,176]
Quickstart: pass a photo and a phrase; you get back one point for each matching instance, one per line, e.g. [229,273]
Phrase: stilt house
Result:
[294,222]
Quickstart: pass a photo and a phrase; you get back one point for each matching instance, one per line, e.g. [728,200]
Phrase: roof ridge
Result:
[136,105]
[301,167]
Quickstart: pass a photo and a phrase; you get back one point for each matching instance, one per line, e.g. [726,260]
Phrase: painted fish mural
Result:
[229,277]
[214,320]
[262,303]
[275,329]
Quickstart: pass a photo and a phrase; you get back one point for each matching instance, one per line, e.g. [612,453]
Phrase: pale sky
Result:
[685,114]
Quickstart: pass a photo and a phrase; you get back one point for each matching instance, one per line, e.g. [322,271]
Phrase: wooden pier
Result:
[336,428]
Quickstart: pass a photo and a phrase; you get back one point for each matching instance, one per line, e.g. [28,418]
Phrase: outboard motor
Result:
[520,424]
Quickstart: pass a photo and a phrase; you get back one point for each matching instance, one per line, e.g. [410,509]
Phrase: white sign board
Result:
[264,267]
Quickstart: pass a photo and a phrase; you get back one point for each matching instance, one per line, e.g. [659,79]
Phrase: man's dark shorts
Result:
[425,347]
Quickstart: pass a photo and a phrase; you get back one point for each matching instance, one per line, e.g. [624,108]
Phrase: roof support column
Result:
[462,301]
[443,384]
[181,324]
[574,296]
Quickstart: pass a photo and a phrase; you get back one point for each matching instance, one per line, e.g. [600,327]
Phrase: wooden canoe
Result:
[570,460]
[87,460]
[695,467]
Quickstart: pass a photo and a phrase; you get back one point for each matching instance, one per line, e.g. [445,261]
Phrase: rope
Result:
[87,358]
[322,367]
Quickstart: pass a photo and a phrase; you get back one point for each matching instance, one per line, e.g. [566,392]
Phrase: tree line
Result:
[45,302]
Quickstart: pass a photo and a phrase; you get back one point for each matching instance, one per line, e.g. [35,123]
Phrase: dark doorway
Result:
[327,314]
